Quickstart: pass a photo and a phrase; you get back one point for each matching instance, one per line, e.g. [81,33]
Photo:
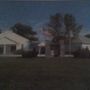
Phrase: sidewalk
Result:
[10,55]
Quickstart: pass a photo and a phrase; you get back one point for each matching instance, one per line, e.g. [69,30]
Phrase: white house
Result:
[85,42]
[10,42]
[76,43]
[80,42]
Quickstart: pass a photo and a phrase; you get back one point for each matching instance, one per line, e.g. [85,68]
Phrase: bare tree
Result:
[72,28]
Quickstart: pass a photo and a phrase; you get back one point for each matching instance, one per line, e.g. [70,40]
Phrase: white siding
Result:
[6,41]
[86,45]
[10,37]
[13,36]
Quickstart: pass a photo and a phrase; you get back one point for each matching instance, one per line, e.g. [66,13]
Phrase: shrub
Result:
[82,53]
[18,52]
[32,53]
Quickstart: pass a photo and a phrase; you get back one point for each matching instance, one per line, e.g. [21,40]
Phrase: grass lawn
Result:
[44,74]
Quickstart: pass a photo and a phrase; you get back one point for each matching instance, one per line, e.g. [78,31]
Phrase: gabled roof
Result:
[82,39]
[6,41]
[85,40]
[13,37]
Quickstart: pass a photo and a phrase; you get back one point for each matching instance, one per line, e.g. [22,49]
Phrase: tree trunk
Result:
[62,48]
[69,38]
[48,50]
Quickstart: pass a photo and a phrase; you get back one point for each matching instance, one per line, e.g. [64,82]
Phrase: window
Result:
[10,49]
[1,49]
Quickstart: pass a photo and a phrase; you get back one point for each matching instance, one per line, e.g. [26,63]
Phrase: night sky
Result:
[36,13]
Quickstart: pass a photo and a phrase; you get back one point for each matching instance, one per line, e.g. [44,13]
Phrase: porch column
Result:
[48,51]
[62,51]
[4,49]
[39,51]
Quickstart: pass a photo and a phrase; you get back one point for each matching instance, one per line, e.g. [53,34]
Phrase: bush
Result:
[82,53]
[29,53]
[18,52]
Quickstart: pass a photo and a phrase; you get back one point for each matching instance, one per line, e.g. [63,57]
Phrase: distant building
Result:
[82,42]
[49,48]
[11,42]
[76,43]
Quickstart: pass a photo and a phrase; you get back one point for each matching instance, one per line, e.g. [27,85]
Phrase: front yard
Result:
[44,74]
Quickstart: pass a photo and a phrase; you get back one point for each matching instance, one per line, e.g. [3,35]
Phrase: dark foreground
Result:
[44,74]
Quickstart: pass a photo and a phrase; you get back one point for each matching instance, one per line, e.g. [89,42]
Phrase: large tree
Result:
[71,26]
[87,35]
[72,29]
[24,30]
[54,27]
[63,26]
[56,23]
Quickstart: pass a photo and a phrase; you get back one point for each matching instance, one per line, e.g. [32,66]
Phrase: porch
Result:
[7,49]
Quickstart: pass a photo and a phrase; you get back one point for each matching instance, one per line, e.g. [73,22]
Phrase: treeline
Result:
[57,25]
[63,25]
